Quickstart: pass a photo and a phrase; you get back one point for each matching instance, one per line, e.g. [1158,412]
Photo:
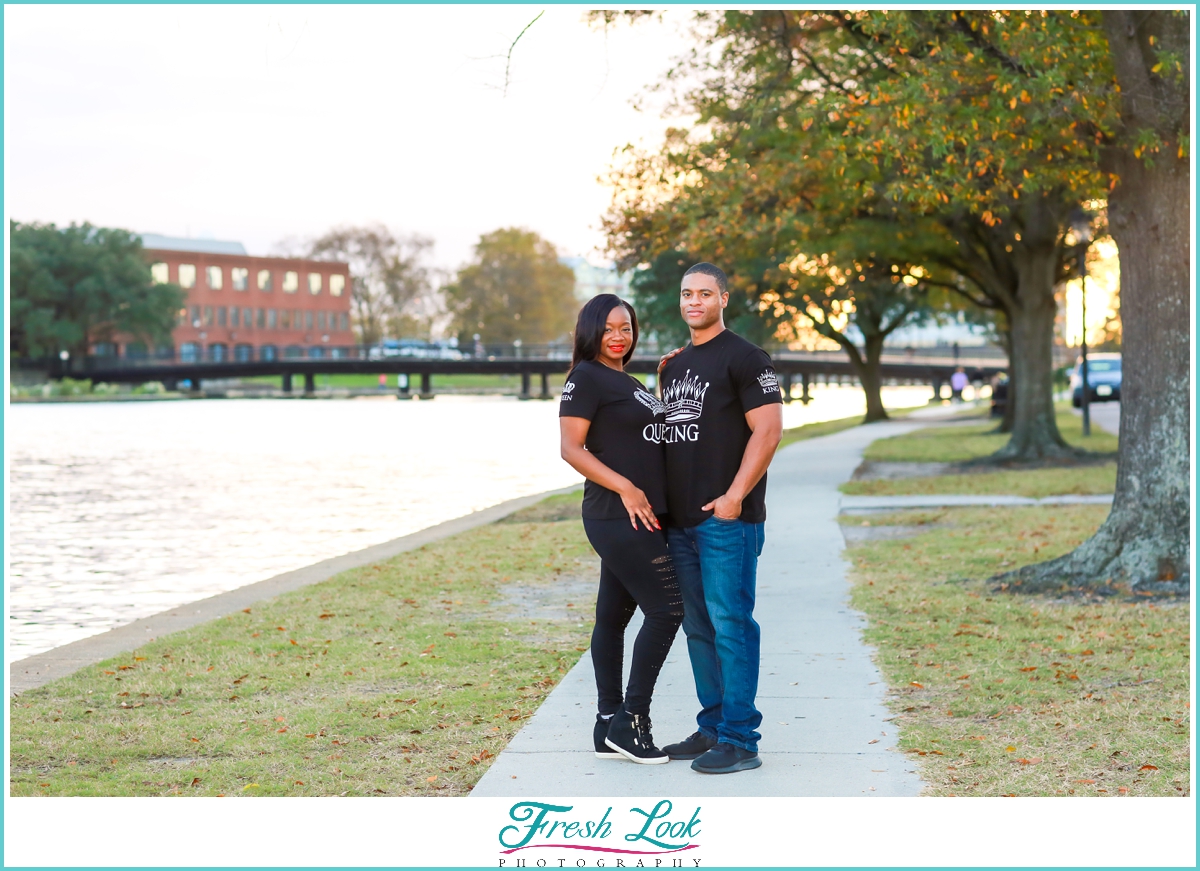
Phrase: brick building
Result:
[252,308]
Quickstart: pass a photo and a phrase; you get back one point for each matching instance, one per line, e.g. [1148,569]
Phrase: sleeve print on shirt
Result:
[757,382]
[580,396]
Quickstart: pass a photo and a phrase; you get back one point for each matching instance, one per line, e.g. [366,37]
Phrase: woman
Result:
[611,434]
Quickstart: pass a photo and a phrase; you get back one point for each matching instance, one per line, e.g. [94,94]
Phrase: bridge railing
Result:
[218,353]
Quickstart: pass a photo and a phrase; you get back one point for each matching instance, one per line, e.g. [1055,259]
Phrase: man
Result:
[723,423]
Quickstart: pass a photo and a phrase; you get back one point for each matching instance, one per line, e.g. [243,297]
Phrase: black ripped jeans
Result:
[635,572]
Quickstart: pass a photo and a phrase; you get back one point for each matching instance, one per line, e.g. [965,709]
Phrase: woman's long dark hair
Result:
[589,327]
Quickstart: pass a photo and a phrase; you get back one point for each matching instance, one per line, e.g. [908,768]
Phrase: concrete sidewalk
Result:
[825,728]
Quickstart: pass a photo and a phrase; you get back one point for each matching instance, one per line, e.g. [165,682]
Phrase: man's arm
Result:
[766,427]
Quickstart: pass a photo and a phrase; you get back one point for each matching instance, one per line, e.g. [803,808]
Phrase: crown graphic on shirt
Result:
[684,398]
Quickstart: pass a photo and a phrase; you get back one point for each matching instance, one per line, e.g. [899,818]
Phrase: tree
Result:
[76,286]
[389,277]
[973,119]
[516,288]
[1145,540]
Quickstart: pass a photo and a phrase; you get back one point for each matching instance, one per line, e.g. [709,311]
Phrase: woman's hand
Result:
[662,361]
[639,507]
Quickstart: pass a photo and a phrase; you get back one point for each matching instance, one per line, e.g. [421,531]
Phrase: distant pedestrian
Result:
[958,381]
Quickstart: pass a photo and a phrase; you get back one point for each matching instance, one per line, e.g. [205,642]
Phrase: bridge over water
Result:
[794,368]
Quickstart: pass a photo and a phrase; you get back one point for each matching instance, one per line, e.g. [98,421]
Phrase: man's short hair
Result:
[713,271]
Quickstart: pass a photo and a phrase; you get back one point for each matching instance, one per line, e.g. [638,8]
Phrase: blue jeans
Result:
[716,563]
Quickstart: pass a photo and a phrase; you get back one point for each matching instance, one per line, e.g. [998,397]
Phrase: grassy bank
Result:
[1003,694]
[969,442]
[1054,481]
[443,382]
[813,430]
[402,678]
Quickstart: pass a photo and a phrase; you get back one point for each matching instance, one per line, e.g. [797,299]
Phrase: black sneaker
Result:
[726,759]
[603,751]
[629,734]
[690,747]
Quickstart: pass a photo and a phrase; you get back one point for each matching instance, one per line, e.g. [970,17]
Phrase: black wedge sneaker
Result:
[629,734]
[603,751]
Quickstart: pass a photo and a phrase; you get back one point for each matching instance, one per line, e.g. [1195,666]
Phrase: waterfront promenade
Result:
[826,729]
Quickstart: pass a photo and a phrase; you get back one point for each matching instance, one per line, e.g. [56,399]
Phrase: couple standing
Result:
[695,463]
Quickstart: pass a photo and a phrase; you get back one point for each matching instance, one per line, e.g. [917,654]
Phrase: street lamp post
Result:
[1082,228]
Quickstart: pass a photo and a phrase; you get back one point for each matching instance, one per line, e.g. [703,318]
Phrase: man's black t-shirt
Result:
[624,435]
[707,390]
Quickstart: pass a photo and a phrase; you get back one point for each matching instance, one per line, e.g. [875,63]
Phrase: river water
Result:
[119,510]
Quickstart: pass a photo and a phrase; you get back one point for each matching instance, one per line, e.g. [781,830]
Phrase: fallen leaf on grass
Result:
[1034,761]
[1148,768]
[913,683]
[1010,749]
[1030,668]
[1085,781]
[195,781]
[250,786]
[431,779]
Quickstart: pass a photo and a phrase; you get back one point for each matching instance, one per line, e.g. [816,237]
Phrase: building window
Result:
[248,317]
[243,353]
[189,352]
[308,320]
[285,318]
[165,352]
[268,352]
[321,321]
[345,322]
[181,317]
[218,352]
[196,316]
[314,283]
[208,316]
[338,353]
[213,276]
[240,277]
[261,321]
[265,282]
[316,353]
[337,283]
[291,282]
[160,273]
[293,351]
[235,317]
[220,316]
[272,319]
[187,275]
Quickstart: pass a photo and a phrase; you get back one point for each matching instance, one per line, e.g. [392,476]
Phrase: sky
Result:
[262,124]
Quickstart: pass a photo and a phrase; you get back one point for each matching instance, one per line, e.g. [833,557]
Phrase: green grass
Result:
[1004,694]
[812,430]
[1056,481]
[405,677]
[953,444]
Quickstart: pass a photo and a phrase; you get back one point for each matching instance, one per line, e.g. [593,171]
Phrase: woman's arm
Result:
[573,435]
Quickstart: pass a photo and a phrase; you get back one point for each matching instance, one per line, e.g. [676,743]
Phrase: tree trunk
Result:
[1145,540]
[1035,434]
[869,376]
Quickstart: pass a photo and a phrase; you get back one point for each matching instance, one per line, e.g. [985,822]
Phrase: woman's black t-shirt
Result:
[624,435]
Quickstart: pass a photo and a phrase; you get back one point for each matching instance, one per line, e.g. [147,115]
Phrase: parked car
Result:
[413,348]
[1104,379]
